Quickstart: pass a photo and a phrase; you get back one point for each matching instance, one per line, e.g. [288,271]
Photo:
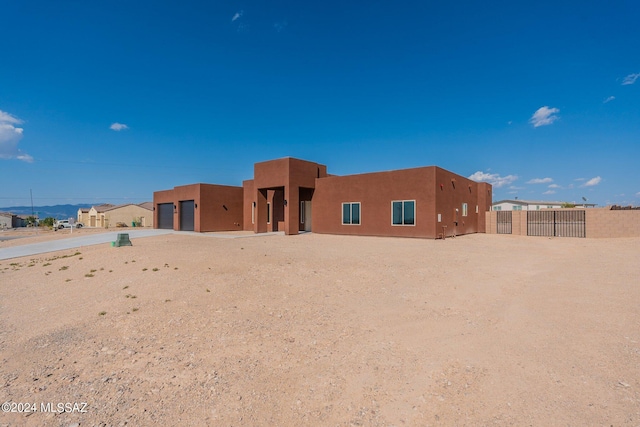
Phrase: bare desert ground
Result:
[324,330]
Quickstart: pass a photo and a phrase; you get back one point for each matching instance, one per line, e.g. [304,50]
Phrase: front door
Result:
[306,215]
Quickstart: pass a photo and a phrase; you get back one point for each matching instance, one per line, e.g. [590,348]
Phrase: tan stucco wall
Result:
[127,214]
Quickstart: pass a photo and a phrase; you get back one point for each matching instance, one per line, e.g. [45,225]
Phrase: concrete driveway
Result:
[73,242]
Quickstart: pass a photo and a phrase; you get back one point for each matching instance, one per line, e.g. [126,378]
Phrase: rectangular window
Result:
[465,209]
[253,213]
[497,208]
[517,208]
[403,212]
[268,213]
[351,213]
[477,209]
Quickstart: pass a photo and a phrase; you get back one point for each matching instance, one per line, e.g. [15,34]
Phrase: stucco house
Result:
[294,195]
[6,220]
[107,215]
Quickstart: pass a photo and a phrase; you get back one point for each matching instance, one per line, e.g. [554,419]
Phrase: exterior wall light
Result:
[195,205]
[285,203]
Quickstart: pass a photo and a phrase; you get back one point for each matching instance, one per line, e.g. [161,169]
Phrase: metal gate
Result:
[165,216]
[187,215]
[556,223]
[504,222]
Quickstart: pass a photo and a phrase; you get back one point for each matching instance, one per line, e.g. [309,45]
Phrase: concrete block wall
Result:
[603,222]
[491,222]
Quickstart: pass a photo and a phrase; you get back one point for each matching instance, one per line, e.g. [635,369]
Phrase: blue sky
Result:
[110,101]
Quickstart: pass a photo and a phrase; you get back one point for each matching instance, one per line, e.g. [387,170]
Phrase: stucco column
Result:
[260,224]
[292,210]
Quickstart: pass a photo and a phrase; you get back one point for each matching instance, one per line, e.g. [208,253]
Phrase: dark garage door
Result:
[187,215]
[165,216]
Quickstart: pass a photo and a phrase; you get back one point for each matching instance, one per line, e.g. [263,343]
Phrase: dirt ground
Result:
[324,330]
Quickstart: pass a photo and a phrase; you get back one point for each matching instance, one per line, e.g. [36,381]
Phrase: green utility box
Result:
[123,240]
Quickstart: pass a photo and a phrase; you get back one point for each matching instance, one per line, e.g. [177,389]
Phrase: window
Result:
[497,208]
[253,213]
[477,209]
[351,213]
[403,212]
[517,208]
[302,212]
[465,209]
[268,213]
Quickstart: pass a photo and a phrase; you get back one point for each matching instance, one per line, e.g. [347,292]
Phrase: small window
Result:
[465,209]
[497,208]
[253,213]
[477,209]
[403,212]
[517,208]
[268,213]
[351,213]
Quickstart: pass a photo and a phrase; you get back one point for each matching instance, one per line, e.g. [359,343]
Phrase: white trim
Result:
[414,213]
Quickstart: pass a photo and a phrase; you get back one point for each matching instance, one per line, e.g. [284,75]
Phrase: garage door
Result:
[165,216]
[187,215]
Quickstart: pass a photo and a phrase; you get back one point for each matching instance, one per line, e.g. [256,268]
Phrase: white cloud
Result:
[118,126]
[592,182]
[554,186]
[10,135]
[544,116]
[493,178]
[638,194]
[630,79]
[609,99]
[237,16]
[25,158]
[8,118]
[549,192]
[540,181]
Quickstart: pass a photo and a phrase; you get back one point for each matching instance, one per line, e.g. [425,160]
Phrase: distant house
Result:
[524,205]
[107,215]
[6,220]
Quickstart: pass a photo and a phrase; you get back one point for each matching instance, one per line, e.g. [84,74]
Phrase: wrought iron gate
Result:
[569,223]
[504,222]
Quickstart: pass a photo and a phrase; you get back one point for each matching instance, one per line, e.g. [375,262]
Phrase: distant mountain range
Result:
[57,211]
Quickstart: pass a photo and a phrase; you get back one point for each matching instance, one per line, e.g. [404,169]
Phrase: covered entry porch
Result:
[279,197]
